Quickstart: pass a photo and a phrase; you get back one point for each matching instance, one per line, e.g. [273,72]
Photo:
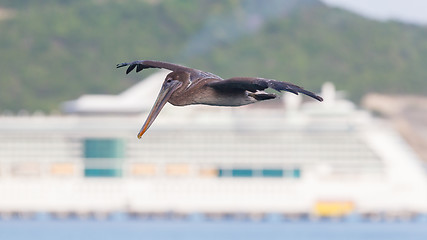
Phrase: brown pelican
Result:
[186,86]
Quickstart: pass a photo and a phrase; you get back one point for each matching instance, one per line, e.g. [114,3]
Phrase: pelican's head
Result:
[173,81]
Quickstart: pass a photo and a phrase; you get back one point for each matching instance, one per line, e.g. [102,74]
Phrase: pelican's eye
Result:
[169,80]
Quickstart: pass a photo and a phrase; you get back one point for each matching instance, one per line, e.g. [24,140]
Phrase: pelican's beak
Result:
[162,99]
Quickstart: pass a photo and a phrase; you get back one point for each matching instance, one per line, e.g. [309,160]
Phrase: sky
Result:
[409,11]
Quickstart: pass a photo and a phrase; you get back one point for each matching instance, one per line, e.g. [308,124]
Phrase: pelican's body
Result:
[199,92]
[187,86]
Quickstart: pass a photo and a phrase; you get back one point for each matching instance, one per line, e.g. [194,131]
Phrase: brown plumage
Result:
[186,86]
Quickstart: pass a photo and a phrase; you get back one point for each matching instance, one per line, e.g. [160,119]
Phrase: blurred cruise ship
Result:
[292,156]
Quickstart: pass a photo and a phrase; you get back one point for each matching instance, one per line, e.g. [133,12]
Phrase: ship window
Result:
[28,169]
[98,172]
[272,173]
[296,173]
[143,169]
[103,157]
[208,172]
[242,172]
[62,169]
[103,148]
[177,170]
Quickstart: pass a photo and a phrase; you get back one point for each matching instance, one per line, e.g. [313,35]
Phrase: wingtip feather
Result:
[119,65]
[130,68]
[313,95]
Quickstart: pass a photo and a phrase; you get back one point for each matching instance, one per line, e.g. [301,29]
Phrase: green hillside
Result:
[53,51]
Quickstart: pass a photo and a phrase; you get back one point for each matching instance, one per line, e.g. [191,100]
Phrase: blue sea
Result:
[129,229]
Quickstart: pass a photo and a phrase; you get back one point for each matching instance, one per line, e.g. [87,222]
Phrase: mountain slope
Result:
[52,51]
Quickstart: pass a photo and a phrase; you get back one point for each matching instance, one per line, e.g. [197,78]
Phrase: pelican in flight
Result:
[186,86]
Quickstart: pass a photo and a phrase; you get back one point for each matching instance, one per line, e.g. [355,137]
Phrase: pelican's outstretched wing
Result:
[144,64]
[255,84]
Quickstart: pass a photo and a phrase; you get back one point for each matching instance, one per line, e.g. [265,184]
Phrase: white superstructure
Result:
[327,158]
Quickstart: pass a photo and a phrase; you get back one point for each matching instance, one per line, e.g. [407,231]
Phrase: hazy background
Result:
[410,11]
[52,51]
